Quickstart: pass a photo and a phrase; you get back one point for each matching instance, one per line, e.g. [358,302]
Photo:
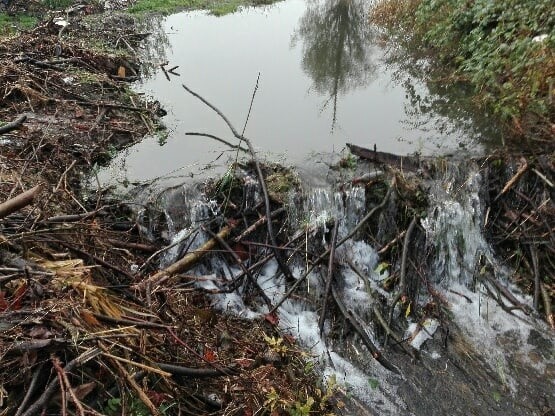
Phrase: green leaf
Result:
[374,383]
[382,267]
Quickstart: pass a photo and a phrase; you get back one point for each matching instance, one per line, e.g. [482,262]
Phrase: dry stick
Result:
[329,277]
[215,366]
[358,326]
[398,340]
[57,365]
[136,364]
[510,183]
[166,248]
[341,242]
[384,249]
[509,296]
[211,136]
[537,282]
[196,372]
[73,217]
[186,262]
[13,125]
[250,106]
[50,389]
[543,178]
[30,390]
[403,272]
[237,279]
[95,259]
[257,224]
[277,254]
[142,395]
[547,306]
[16,203]
[147,248]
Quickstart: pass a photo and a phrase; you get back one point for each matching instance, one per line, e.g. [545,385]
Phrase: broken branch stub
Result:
[20,201]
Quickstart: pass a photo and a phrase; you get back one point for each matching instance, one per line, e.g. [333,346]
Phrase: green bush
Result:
[504,48]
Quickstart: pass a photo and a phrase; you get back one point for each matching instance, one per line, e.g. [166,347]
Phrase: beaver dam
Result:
[364,283]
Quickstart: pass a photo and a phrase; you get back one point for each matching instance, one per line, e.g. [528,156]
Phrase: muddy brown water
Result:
[324,81]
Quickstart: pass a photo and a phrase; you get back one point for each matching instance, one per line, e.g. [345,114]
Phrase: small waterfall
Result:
[453,230]
[454,223]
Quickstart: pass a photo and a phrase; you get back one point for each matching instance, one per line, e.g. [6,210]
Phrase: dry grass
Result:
[391,13]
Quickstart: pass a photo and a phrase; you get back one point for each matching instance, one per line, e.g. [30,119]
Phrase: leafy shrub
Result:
[504,48]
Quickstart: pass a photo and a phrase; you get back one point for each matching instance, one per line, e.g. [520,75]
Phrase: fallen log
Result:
[382,158]
[188,261]
[20,201]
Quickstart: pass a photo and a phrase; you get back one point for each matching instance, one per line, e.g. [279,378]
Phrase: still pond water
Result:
[324,80]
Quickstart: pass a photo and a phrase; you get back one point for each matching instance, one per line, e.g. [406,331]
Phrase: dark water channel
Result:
[323,82]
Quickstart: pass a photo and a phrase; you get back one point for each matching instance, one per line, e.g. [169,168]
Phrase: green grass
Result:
[216,7]
[57,4]
[9,23]
[166,6]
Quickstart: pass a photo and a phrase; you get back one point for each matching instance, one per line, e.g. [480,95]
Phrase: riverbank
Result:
[505,51]
[74,335]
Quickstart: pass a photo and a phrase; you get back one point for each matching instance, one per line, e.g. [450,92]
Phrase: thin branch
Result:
[50,389]
[402,278]
[211,136]
[20,201]
[281,263]
[250,106]
[329,277]
[358,326]
[13,125]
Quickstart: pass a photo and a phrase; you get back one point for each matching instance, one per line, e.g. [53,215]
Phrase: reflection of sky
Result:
[220,59]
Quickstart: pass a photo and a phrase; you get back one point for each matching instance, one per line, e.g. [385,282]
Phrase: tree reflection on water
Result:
[336,53]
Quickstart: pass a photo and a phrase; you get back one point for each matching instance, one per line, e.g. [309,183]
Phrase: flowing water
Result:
[482,360]
[323,81]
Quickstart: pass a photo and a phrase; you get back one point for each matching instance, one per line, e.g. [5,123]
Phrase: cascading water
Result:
[500,345]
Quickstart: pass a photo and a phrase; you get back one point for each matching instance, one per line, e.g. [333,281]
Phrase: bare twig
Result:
[403,272]
[358,326]
[51,388]
[329,277]
[186,262]
[179,370]
[537,281]
[57,366]
[219,139]
[339,243]
[511,182]
[281,263]
[245,270]
[30,390]
[550,316]
[140,392]
[16,203]
[250,106]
